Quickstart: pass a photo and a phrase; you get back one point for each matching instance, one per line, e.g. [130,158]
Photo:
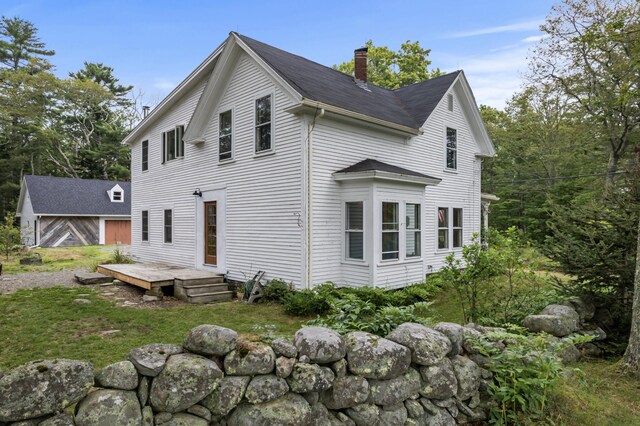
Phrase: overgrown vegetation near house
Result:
[59,258]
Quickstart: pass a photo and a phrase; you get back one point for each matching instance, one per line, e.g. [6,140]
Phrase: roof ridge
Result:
[428,80]
[74,178]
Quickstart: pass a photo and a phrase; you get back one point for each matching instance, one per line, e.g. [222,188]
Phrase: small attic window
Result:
[116,194]
[450,102]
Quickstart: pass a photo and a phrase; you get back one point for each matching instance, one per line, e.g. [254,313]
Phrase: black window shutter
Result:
[164,148]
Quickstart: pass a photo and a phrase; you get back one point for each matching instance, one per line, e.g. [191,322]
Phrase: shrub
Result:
[119,256]
[9,235]
[351,313]
[524,373]
[305,303]
[275,291]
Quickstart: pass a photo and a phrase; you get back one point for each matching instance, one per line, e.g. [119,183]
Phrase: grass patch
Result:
[602,397]
[59,258]
[46,323]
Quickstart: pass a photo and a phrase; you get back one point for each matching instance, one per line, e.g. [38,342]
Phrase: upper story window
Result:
[116,194]
[452,149]
[354,230]
[449,228]
[390,231]
[145,156]
[225,137]
[263,124]
[172,144]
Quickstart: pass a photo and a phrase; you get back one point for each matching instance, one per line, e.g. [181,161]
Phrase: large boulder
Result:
[310,378]
[265,388]
[396,390]
[555,325]
[257,358]
[321,345]
[374,357]
[288,410]
[121,375]
[43,387]
[438,381]
[227,395]
[427,345]
[185,380]
[149,360]
[468,374]
[584,307]
[346,392]
[107,407]
[210,340]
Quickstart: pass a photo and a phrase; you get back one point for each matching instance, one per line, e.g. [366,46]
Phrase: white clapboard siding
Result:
[263,193]
[338,145]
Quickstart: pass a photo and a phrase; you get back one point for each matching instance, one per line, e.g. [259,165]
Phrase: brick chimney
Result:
[360,60]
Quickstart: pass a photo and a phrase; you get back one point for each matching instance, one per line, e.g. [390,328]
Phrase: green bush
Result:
[524,374]
[350,313]
[275,291]
[305,303]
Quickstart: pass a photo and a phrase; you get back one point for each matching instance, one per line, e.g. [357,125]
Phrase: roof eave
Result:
[310,106]
[388,176]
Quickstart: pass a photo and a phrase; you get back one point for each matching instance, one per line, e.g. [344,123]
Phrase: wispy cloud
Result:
[515,27]
[533,39]
[164,84]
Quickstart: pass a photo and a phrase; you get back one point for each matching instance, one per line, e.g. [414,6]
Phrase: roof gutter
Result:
[388,176]
[314,105]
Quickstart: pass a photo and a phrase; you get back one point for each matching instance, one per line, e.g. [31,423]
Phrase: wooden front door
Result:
[117,232]
[210,233]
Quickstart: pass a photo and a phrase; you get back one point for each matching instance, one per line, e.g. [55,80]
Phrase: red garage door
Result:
[117,232]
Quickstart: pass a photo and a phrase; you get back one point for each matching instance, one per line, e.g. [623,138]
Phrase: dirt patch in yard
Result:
[28,280]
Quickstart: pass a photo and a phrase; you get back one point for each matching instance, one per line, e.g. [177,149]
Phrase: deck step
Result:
[195,290]
[220,296]
[200,281]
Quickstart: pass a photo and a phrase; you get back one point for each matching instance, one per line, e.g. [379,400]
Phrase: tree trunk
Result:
[631,358]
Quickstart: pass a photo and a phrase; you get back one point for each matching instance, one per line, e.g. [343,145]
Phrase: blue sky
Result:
[153,45]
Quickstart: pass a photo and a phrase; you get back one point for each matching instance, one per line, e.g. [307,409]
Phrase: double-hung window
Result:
[145,155]
[144,226]
[172,144]
[354,230]
[390,231]
[412,230]
[452,149]
[168,226]
[263,124]
[449,228]
[225,137]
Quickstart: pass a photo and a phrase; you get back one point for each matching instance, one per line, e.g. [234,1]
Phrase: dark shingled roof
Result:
[371,165]
[66,196]
[408,106]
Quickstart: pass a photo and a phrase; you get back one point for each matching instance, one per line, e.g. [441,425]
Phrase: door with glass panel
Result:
[210,230]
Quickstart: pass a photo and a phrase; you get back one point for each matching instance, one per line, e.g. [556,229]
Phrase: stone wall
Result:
[414,376]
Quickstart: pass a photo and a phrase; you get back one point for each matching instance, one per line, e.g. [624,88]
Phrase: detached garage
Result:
[63,212]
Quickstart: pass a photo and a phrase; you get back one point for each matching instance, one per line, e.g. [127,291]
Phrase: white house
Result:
[264,160]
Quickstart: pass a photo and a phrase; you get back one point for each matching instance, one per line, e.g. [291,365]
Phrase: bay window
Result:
[390,231]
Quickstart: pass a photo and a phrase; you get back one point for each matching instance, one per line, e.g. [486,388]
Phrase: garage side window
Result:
[144,226]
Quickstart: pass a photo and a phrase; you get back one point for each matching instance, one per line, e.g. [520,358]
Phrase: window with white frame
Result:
[263,124]
[172,144]
[225,137]
[145,155]
[452,149]
[390,231]
[144,226]
[354,230]
[449,228]
[168,226]
[412,230]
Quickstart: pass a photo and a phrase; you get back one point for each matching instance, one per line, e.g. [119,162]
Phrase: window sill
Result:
[452,171]
[444,251]
[263,153]
[229,161]
[173,160]
[400,261]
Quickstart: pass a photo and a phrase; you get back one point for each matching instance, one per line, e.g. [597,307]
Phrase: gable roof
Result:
[67,196]
[370,168]
[409,106]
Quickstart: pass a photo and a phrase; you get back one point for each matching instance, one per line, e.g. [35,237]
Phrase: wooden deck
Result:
[152,275]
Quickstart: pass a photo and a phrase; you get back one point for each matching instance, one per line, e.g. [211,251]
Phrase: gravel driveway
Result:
[11,283]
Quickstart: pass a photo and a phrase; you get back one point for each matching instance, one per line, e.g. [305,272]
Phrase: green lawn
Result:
[58,259]
[46,323]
